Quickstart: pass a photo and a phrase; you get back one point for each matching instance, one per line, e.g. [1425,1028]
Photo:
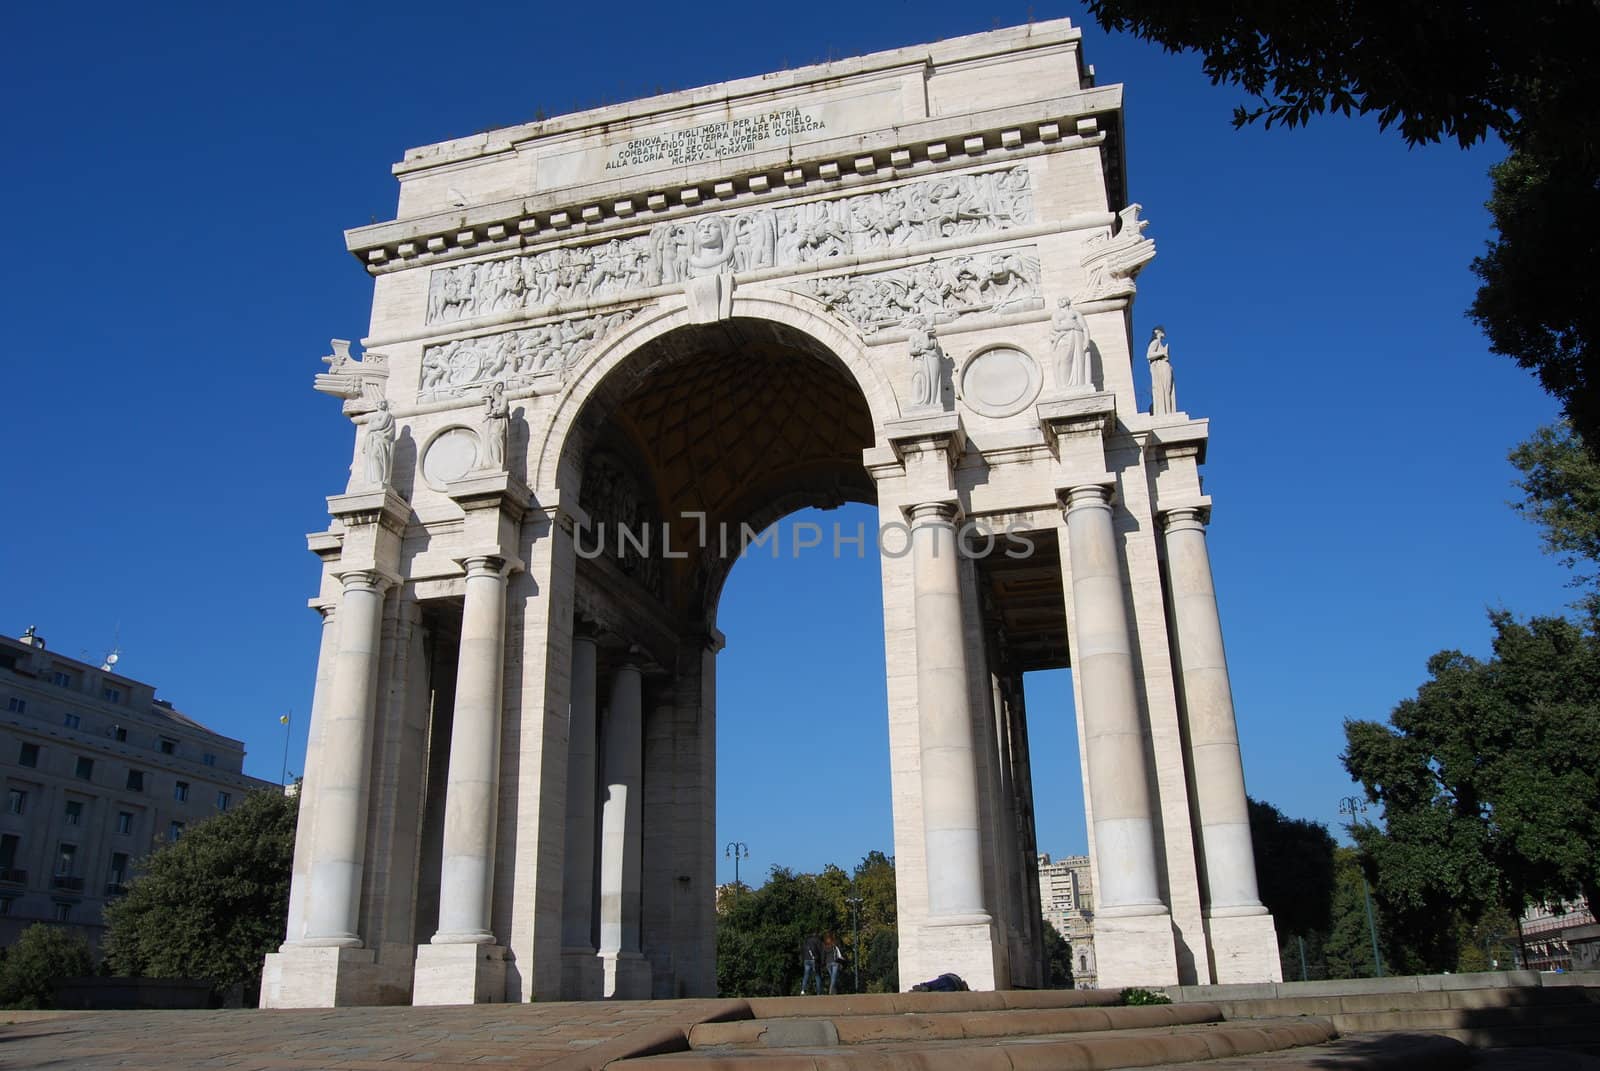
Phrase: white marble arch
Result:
[804,314]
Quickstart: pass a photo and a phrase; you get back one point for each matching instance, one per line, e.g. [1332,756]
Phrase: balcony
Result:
[67,883]
[13,876]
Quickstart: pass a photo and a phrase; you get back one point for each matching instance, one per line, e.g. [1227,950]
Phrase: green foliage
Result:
[1490,783]
[1561,494]
[1294,869]
[1135,997]
[42,956]
[1463,71]
[760,932]
[1057,959]
[212,904]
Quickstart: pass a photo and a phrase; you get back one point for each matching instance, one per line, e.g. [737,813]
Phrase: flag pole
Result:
[286,720]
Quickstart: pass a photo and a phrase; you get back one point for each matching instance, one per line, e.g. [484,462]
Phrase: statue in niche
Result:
[377,447]
[494,427]
[1069,347]
[1163,397]
[926,361]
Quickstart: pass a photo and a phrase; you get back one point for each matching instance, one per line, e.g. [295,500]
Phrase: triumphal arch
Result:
[608,349]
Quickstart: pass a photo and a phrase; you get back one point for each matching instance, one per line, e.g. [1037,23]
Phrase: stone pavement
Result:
[550,1037]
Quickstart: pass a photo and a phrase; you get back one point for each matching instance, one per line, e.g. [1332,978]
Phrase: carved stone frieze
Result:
[515,358]
[881,222]
[1006,280]
[1114,258]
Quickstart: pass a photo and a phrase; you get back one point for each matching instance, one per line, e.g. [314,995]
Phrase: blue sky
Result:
[179,177]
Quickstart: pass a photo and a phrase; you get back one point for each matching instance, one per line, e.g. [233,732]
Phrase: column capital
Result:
[936,511]
[1190,518]
[366,580]
[1086,496]
[485,565]
[327,610]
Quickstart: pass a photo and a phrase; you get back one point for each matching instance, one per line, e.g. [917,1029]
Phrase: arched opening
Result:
[686,449]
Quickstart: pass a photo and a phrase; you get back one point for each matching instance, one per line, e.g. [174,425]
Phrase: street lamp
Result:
[1353,806]
[855,927]
[732,851]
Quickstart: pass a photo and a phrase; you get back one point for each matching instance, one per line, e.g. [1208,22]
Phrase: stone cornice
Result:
[918,147]
[384,507]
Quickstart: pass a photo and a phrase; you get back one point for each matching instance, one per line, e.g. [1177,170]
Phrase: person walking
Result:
[811,957]
[833,959]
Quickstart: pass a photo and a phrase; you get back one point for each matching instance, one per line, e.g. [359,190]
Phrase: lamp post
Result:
[855,930]
[1353,806]
[732,851]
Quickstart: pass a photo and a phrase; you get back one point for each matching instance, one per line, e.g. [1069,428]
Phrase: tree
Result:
[1294,869]
[42,956]
[212,904]
[1057,959]
[1561,494]
[1464,71]
[1489,780]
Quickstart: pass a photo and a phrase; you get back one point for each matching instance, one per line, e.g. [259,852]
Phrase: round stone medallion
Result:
[449,455]
[1000,381]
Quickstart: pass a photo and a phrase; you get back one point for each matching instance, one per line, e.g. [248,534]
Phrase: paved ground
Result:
[549,1037]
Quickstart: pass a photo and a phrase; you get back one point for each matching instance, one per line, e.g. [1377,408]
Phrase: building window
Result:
[119,868]
[120,733]
[9,843]
[111,695]
[174,830]
[17,706]
[180,792]
[223,800]
[66,855]
[28,755]
[72,721]
[209,759]
[62,678]
[74,814]
[85,769]
[169,746]
[5,904]
[17,801]
[135,780]
[63,911]
[124,822]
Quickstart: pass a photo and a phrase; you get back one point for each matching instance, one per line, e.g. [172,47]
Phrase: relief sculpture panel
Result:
[942,290]
[881,222]
[514,358]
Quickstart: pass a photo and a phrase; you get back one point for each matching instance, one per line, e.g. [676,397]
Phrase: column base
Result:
[1244,948]
[1135,950]
[582,976]
[319,976]
[964,945]
[626,976]
[459,974]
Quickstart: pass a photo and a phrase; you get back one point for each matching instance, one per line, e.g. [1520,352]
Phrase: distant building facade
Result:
[1066,897]
[98,772]
[1551,934]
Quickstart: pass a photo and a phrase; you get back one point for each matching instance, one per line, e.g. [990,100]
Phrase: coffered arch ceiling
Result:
[743,421]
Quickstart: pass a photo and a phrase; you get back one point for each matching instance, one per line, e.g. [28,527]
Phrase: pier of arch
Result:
[609,348]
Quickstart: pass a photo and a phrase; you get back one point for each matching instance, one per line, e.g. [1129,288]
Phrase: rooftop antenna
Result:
[115,654]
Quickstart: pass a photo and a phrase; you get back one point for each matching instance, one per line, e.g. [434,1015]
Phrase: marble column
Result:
[472,787]
[579,979]
[1215,767]
[626,975]
[950,817]
[1134,940]
[1119,786]
[340,826]
[305,831]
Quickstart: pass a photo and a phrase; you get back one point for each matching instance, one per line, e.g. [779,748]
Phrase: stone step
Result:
[898,1003]
[859,1029]
[1370,1052]
[1429,1000]
[1091,1051]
